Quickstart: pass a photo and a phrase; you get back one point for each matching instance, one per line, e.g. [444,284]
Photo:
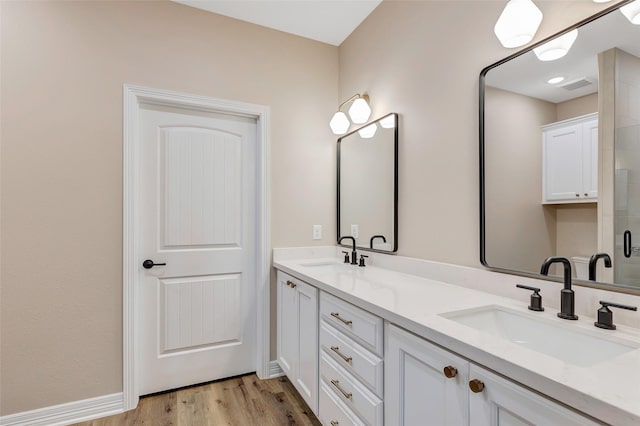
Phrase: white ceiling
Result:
[528,76]
[328,21]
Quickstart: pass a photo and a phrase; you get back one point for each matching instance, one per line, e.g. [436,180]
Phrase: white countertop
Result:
[608,391]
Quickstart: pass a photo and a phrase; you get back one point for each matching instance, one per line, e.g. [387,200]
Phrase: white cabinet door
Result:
[417,392]
[590,160]
[287,325]
[503,403]
[306,379]
[298,336]
[563,163]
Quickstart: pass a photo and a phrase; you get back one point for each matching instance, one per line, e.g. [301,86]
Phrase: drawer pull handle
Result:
[450,372]
[291,284]
[337,316]
[476,386]
[336,383]
[341,355]
[334,423]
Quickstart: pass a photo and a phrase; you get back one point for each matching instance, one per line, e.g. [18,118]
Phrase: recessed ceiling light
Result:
[555,80]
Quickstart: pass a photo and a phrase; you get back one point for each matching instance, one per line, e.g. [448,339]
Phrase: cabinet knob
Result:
[450,372]
[334,423]
[291,284]
[577,195]
[586,194]
[476,386]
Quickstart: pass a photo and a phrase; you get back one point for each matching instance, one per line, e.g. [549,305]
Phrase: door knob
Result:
[148,264]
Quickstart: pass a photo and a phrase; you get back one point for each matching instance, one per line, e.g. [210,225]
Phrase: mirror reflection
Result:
[368,184]
[561,143]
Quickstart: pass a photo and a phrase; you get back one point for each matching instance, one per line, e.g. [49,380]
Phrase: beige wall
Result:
[521,232]
[577,107]
[422,60]
[63,67]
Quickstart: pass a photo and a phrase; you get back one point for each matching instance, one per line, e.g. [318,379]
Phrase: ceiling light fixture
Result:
[556,48]
[518,23]
[555,80]
[360,111]
[601,1]
[632,12]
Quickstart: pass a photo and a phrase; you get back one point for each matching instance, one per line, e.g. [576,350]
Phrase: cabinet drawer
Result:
[333,412]
[353,357]
[357,323]
[351,392]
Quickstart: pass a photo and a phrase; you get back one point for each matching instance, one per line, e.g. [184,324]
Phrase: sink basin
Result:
[562,341]
[330,266]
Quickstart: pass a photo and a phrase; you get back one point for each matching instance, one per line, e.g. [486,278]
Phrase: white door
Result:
[196,175]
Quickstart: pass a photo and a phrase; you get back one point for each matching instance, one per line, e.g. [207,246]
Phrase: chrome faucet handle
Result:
[605,316]
[535,304]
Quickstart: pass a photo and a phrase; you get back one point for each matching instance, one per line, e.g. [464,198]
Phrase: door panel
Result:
[187,318]
[200,183]
[197,187]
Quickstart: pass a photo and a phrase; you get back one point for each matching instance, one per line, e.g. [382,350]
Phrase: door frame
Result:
[133,96]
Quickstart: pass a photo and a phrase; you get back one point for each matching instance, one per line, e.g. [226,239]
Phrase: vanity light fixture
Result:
[632,12]
[368,132]
[556,48]
[360,111]
[518,23]
[389,122]
[555,80]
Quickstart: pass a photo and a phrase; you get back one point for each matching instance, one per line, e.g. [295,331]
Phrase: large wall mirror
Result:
[368,185]
[560,154]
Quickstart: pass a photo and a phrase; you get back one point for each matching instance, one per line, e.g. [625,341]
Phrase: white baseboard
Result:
[275,370]
[68,413]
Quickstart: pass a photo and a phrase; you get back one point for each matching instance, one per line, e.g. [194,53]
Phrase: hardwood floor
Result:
[239,401]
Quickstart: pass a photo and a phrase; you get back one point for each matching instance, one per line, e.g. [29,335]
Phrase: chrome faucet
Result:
[567,296]
[354,254]
[594,260]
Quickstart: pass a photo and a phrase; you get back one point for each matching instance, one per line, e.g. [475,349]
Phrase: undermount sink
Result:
[562,341]
[329,266]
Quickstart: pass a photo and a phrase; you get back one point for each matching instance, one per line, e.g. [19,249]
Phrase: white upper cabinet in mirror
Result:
[368,185]
[560,155]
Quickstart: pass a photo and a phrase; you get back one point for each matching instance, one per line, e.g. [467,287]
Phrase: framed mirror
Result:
[368,185]
[560,154]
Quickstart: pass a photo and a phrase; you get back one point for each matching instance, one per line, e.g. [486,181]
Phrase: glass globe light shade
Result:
[388,122]
[632,12]
[556,48]
[359,111]
[368,132]
[339,123]
[518,23]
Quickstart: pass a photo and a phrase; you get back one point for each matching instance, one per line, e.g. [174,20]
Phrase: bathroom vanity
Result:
[405,341]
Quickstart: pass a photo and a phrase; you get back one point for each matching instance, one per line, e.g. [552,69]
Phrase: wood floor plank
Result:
[239,401]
